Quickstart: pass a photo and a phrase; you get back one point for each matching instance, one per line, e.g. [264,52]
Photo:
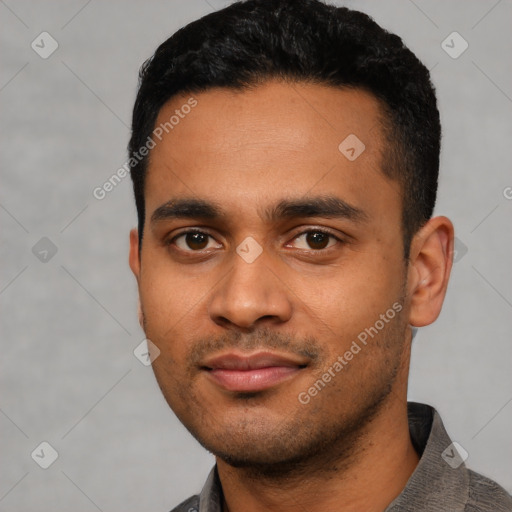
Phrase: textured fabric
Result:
[440,482]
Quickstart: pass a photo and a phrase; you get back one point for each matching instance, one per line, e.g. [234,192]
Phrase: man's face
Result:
[268,250]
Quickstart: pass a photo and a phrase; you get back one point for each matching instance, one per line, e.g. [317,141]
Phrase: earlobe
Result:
[134,258]
[429,270]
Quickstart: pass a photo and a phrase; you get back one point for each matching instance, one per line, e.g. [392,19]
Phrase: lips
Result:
[250,373]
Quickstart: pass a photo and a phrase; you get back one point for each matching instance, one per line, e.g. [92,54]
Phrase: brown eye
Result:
[316,240]
[195,241]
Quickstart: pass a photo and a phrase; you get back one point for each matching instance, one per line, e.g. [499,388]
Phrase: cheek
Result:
[351,297]
[174,311]
[166,295]
[164,309]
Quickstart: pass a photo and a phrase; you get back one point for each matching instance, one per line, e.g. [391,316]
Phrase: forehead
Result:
[277,140]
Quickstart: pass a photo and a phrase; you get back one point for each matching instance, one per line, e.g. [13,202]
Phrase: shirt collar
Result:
[441,477]
[435,480]
[210,498]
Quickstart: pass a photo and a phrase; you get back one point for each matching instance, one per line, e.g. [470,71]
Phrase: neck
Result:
[369,479]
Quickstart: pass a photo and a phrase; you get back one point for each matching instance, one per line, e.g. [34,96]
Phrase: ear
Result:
[134,258]
[430,263]
[135,266]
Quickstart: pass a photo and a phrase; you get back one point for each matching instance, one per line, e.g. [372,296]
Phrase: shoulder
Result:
[487,495]
[189,505]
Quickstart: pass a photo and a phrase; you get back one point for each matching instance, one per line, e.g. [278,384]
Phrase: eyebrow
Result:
[186,209]
[322,206]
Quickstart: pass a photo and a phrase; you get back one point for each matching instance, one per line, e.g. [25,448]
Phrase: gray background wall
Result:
[67,370]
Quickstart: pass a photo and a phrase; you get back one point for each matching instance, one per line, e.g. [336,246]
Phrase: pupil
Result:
[317,240]
[196,240]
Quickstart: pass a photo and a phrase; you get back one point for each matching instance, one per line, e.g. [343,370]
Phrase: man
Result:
[285,162]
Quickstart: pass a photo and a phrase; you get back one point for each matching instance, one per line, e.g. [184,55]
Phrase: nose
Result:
[250,295]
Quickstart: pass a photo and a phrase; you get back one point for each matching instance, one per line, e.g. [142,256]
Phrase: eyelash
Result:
[306,232]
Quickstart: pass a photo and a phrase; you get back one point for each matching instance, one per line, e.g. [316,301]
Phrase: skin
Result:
[246,152]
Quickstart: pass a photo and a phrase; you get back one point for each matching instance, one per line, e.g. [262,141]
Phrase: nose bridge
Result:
[248,293]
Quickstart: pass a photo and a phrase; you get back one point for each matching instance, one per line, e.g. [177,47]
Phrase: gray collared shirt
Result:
[440,482]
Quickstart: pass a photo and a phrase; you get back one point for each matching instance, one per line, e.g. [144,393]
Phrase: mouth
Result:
[254,372]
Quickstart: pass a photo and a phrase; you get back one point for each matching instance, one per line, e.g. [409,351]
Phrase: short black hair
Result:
[252,41]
